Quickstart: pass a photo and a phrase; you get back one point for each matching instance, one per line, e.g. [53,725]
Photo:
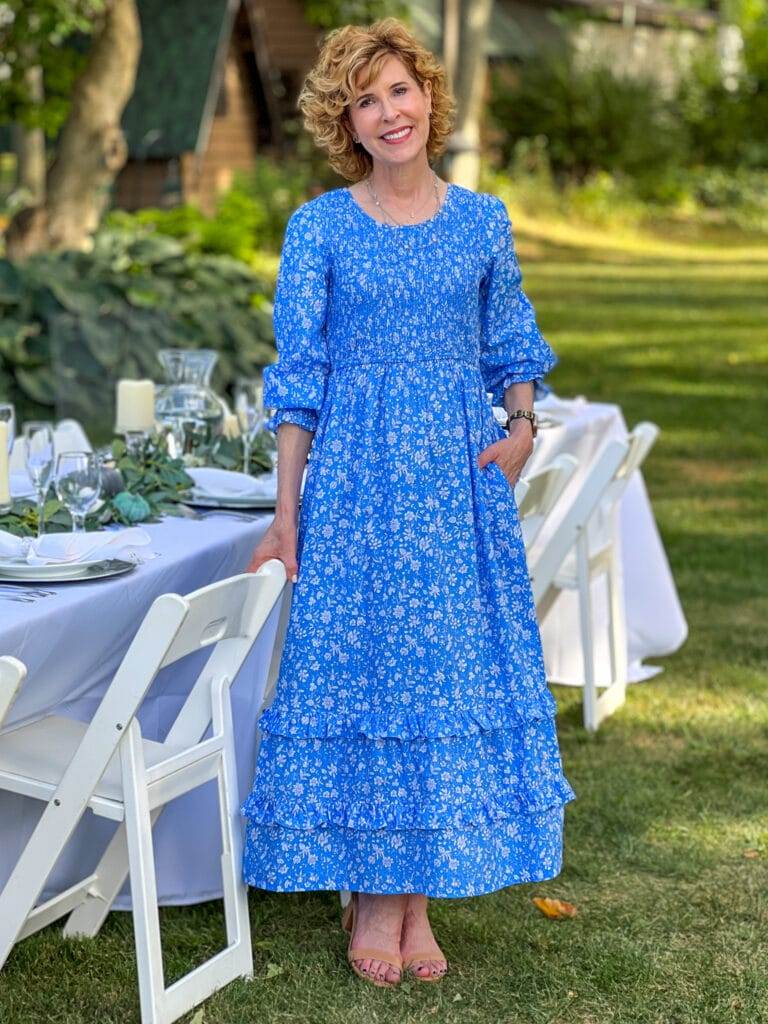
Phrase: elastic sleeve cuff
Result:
[532,372]
[305,418]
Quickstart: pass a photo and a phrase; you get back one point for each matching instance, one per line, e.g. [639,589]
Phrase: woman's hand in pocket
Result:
[510,453]
[279,542]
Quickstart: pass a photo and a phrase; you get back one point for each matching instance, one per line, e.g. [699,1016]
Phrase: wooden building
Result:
[216,83]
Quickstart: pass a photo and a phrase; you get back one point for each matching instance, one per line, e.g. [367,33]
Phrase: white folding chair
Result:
[586,546]
[543,489]
[107,766]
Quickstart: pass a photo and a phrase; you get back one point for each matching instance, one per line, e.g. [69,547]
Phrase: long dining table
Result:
[73,641]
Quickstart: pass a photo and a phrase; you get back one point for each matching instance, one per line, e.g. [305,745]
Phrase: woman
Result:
[411,750]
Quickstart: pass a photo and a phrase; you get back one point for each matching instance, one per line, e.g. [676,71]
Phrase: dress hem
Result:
[351,886]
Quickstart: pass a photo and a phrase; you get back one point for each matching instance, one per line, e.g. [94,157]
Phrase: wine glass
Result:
[249,408]
[8,416]
[38,454]
[78,485]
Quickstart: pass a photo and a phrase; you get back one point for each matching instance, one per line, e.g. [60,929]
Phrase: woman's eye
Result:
[401,89]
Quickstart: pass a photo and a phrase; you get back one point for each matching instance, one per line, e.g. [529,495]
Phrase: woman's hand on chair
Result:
[278,542]
[510,453]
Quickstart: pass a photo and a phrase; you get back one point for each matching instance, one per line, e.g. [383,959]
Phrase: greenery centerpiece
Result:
[136,490]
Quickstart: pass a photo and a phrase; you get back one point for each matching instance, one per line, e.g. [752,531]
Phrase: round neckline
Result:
[400,227]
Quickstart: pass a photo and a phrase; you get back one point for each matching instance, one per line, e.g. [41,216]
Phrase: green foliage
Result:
[154,486]
[31,36]
[330,14]
[592,118]
[725,123]
[71,324]
[229,453]
[250,217]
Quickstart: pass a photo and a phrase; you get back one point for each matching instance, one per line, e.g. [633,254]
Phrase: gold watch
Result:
[520,414]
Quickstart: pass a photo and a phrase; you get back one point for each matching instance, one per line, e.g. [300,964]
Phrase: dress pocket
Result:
[493,467]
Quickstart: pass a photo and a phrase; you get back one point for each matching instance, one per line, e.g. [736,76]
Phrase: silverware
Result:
[240,516]
[20,589]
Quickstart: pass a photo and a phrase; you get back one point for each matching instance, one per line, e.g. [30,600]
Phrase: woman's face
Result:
[390,114]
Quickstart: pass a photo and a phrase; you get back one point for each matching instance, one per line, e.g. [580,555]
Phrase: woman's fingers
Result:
[280,545]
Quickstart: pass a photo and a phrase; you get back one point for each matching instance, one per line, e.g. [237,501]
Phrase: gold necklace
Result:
[377,202]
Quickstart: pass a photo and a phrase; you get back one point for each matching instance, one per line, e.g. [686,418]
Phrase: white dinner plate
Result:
[69,572]
[229,501]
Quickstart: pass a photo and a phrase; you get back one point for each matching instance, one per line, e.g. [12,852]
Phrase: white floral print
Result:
[411,744]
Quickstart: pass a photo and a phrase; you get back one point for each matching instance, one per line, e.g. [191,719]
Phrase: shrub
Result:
[593,119]
[71,324]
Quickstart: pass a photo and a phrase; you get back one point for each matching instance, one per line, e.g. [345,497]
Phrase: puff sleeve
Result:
[512,349]
[295,385]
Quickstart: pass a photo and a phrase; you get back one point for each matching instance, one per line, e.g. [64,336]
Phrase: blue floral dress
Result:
[411,743]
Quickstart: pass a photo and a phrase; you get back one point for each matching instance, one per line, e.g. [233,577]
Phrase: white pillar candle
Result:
[231,427]
[5,474]
[135,406]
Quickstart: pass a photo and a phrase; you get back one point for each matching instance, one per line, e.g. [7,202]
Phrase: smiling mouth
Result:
[398,134]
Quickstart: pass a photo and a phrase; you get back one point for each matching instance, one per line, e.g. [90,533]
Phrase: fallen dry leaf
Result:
[751,854]
[554,908]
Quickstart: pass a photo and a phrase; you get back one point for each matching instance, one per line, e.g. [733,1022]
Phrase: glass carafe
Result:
[187,403]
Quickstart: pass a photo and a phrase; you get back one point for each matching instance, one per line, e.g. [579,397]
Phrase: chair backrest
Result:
[640,441]
[173,626]
[544,489]
[521,489]
[584,502]
[229,614]
[12,673]
[68,436]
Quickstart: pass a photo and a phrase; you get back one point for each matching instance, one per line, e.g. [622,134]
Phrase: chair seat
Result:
[34,757]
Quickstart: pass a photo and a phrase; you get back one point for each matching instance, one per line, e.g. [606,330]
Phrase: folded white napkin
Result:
[60,548]
[225,483]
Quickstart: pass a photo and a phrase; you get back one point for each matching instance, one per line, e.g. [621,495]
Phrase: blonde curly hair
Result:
[355,52]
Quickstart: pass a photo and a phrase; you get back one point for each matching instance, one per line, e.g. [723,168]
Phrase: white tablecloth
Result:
[655,621]
[72,644]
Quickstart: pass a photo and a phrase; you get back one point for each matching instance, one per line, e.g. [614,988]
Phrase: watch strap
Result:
[519,414]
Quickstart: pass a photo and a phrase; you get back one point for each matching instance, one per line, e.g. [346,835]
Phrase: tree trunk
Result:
[29,146]
[91,148]
[469,88]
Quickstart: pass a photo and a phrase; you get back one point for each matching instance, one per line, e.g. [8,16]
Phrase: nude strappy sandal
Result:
[364,953]
[424,958]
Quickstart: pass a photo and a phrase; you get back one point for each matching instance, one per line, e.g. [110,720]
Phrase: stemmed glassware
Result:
[8,416]
[249,409]
[78,485]
[38,453]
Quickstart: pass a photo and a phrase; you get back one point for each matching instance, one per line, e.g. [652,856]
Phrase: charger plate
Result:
[77,572]
[228,501]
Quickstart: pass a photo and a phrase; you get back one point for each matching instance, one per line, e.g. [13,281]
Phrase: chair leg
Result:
[587,643]
[618,634]
[616,693]
[86,920]
[235,889]
[146,917]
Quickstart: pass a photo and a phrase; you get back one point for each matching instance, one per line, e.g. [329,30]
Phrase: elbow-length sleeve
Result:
[512,348]
[295,385]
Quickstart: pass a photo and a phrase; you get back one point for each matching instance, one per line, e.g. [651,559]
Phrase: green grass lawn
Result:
[672,924]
